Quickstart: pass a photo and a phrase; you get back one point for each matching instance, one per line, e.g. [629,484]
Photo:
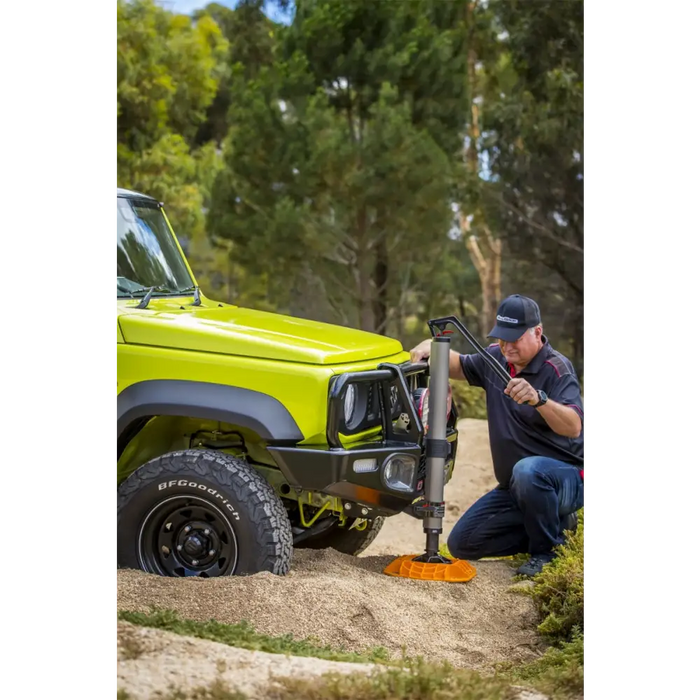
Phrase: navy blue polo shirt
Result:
[518,430]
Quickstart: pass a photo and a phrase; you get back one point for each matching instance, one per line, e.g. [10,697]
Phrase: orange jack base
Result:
[458,571]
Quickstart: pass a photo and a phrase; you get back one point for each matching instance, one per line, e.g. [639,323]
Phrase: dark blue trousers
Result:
[525,517]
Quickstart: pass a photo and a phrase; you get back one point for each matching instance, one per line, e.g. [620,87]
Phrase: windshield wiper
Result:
[197,299]
[149,293]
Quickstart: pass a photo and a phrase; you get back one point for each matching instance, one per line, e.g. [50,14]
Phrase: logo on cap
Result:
[507,319]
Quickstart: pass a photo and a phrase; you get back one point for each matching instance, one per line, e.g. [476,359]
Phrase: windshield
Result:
[147,255]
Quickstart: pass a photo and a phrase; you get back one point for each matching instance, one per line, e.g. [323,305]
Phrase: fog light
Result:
[363,466]
[399,472]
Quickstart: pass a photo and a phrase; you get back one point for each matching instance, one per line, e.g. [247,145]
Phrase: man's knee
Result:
[460,547]
[453,544]
[525,473]
[465,542]
[470,537]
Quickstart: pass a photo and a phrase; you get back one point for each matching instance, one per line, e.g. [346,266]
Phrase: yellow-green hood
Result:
[232,330]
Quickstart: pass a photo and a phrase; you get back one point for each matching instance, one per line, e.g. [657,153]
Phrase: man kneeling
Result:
[536,437]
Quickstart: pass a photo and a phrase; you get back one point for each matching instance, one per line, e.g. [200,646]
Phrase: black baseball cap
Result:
[515,315]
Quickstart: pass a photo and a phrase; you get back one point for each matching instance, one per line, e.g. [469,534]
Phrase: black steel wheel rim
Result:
[187,536]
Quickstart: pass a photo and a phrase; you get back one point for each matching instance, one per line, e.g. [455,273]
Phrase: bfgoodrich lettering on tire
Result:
[201,513]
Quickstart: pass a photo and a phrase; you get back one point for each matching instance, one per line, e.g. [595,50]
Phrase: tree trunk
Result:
[473,129]
[462,307]
[364,294]
[488,267]
[229,294]
[363,273]
[381,286]
[486,256]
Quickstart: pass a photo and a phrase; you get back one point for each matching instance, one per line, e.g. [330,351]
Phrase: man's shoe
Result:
[534,565]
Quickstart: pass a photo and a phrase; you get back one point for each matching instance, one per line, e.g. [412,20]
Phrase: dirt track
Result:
[346,601]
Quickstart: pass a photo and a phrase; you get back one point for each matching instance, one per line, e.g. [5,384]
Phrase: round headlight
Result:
[349,404]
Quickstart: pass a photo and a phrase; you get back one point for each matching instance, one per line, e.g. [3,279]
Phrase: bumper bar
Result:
[332,472]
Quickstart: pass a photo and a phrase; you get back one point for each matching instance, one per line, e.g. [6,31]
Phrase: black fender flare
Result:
[229,404]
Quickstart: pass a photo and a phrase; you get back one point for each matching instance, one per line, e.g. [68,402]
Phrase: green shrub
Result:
[558,591]
[558,594]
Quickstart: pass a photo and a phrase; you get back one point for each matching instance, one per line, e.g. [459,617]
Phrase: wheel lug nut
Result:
[206,532]
[211,552]
[195,562]
[187,528]
[179,548]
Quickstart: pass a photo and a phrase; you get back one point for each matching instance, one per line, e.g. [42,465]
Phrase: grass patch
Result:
[244,636]
[217,690]
[558,673]
[418,680]
[444,551]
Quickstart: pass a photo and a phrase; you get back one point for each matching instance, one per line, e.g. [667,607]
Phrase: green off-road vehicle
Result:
[243,434]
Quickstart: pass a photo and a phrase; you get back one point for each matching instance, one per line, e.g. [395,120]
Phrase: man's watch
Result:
[543,398]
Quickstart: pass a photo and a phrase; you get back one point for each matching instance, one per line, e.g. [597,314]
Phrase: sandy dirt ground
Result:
[348,602]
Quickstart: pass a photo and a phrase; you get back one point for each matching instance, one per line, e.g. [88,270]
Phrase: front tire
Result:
[201,513]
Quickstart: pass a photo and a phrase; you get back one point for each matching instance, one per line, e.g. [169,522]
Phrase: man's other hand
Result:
[422,351]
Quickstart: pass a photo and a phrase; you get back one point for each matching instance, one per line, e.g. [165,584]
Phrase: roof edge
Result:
[121,192]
